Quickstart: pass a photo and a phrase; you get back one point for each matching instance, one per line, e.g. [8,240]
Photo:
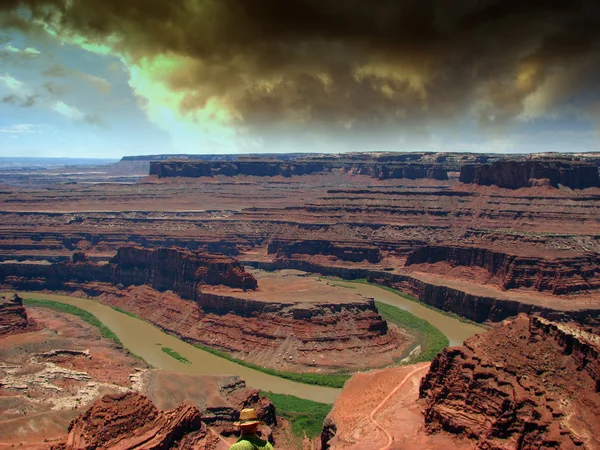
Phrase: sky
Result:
[108,78]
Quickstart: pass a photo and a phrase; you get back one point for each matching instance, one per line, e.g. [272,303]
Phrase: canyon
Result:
[210,300]
[63,386]
[529,383]
[218,251]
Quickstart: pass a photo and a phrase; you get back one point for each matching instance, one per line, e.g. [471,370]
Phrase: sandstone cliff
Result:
[179,270]
[13,317]
[269,168]
[392,170]
[558,276]
[524,173]
[529,384]
[131,420]
[260,168]
[479,308]
[351,251]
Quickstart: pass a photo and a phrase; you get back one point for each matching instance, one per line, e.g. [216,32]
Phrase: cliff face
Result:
[345,252]
[260,168]
[131,420]
[477,308]
[13,317]
[525,173]
[270,168]
[559,276]
[391,170]
[181,271]
[528,384]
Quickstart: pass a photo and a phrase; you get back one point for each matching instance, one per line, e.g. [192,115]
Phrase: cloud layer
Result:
[265,69]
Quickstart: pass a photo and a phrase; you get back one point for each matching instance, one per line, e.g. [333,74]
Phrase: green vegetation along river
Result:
[455,330]
[157,348]
[146,341]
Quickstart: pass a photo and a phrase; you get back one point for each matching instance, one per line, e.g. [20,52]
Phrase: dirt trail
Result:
[378,407]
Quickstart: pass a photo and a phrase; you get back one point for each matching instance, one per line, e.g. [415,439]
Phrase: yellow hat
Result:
[248,417]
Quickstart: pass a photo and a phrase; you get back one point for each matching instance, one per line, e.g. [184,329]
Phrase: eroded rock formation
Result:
[525,173]
[181,271]
[260,168]
[529,384]
[558,276]
[273,326]
[131,420]
[178,270]
[394,170]
[352,251]
[13,316]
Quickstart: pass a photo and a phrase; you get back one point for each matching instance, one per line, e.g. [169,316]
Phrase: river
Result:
[454,329]
[145,340]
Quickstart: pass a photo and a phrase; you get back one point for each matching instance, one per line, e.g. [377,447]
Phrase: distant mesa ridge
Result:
[518,174]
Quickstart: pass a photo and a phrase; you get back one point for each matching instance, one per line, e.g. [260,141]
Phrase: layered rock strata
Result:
[131,420]
[181,271]
[260,168]
[352,251]
[274,326]
[529,384]
[394,170]
[382,170]
[518,174]
[13,316]
[558,276]
[476,307]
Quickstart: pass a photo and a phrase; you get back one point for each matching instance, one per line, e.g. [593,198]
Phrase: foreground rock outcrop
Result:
[529,384]
[131,420]
[525,173]
[13,316]
[128,421]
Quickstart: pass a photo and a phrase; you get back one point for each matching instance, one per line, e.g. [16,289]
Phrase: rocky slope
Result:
[350,251]
[13,316]
[259,168]
[131,420]
[518,174]
[559,276]
[52,372]
[181,271]
[529,384]
[321,329]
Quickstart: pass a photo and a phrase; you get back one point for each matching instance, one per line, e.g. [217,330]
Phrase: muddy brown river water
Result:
[454,329]
[146,340]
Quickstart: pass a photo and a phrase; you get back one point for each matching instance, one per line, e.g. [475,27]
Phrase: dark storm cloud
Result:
[349,65]
[22,102]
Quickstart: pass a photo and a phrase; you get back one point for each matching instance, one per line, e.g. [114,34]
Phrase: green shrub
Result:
[305,416]
[105,332]
[431,339]
[174,354]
